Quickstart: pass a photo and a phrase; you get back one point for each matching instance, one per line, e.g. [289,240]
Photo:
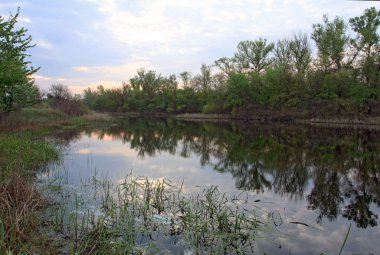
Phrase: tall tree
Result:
[301,52]
[226,65]
[148,81]
[331,40]
[16,84]
[202,81]
[254,55]
[283,54]
[366,27]
[368,42]
[185,78]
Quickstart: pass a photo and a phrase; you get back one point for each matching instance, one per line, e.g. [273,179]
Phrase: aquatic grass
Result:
[345,240]
[138,214]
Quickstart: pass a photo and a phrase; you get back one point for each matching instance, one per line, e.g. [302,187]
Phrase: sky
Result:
[86,43]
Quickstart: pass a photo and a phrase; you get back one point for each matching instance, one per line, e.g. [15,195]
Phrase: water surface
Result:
[320,180]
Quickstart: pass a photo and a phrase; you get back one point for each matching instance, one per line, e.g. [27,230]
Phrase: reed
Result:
[139,214]
[19,201]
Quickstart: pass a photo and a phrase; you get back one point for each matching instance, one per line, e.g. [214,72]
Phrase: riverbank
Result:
[25,149]
[365,122]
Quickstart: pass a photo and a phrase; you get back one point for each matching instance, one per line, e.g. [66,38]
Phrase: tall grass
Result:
[19,201]
[35,116]
[20,156]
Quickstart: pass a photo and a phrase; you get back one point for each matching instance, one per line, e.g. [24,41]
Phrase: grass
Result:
[21,153]
[19,201]
[91,117]
[20,156]
[31,117]
[142,216]
[43,115]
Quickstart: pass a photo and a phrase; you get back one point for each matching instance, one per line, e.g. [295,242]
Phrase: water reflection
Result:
[336,171]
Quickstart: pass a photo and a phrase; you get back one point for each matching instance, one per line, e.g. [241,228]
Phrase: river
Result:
[311,182]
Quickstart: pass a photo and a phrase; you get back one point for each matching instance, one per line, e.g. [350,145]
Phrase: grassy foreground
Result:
[20,156]
[23,151]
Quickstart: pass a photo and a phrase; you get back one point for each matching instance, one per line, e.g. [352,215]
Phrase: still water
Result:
[319,180]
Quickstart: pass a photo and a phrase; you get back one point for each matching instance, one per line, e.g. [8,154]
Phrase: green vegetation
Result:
[20,156]
[269,79]
[17,86]
[142,216]
[20,153]
[19,203]
[60,97]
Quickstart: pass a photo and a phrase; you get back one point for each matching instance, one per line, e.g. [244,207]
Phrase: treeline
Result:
[343,76]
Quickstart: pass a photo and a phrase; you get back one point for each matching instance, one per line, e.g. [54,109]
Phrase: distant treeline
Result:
[342,77]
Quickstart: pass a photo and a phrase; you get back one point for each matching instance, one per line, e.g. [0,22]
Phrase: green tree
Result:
[226,65]
[282,54]
[300,50]
[16,82]
[185,78]
[367,41]
[331,40]
[202,81]
[148,81]
[253,55]
[238,92]
[366,27]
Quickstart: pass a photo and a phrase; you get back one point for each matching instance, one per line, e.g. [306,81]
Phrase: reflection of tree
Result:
[326,195]
[248,176]
[67,136]
[358,209]
[282,159]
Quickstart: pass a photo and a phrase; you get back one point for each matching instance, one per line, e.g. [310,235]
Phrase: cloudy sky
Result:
[84,43]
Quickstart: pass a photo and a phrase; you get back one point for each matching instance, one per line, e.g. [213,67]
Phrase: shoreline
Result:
[323,122]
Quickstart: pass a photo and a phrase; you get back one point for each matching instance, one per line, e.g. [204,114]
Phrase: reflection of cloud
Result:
[84,151]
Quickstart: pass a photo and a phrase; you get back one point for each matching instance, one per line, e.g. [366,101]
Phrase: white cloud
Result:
[24,20]
[122,71]
[44,44]
[41,77]
[82,69]
[166,27]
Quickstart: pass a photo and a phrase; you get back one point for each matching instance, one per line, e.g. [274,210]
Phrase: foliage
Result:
[331,40]
[17,87]
[60,97]
[253,55]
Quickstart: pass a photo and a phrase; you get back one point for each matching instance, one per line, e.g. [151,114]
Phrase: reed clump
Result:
[19,202]
[139,216]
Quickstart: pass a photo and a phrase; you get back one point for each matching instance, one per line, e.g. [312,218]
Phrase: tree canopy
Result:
[16,83]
